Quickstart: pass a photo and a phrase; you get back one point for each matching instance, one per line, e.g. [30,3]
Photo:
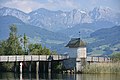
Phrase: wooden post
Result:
[44,67]
[15,67]
[74,69]
[49,70]
[37,67]
[49,76]
[61,63]
[21,76]
[37,76]
[49,67]
[30,66]
[20,67]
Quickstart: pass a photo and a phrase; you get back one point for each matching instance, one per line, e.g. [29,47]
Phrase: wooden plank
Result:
[55,57]
[43,58]
[60,57]
[3,58]
[47,56]
[12,58]
[107,59]
[95,59]
[63,57]
[20,58]
[27,58]
[35,57]
[89,58]
[101,59]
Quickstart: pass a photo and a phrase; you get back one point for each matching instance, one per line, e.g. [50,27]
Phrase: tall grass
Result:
[102,68]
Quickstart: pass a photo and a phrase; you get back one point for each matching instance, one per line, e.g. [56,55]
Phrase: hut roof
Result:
[75,43]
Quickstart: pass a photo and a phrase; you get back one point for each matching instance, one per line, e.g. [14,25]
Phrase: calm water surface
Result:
[33,76]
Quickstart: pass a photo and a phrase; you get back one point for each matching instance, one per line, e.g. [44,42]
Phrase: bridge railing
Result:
[13,58]
[99,59]
[96,59]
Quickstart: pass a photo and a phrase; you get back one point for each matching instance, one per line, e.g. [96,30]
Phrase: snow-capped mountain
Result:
[47,19]
[58,20]
[5,11]
[55,20]
[105,14]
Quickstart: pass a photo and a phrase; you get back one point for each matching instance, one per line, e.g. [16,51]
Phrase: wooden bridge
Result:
[46,59]
[19,58]
[38,59]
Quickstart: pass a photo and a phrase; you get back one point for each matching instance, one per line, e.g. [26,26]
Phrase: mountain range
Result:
[36,34]
[58,20]
[54,28]
[105,41]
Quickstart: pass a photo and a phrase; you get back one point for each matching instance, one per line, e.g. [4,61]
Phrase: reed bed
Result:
[102,68]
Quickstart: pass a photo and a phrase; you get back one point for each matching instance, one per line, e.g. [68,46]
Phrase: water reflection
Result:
[38,76]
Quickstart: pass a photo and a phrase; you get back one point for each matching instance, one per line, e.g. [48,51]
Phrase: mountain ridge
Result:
[106,40]
[59,20]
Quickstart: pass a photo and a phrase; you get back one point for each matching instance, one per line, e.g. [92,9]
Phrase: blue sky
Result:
[66,5]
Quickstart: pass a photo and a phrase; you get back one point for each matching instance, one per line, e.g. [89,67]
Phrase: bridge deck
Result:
[13,58]
[96,59]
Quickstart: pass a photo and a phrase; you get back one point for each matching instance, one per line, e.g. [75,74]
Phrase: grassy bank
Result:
[102,68]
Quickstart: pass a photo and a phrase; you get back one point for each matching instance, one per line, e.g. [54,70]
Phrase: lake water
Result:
[33,76]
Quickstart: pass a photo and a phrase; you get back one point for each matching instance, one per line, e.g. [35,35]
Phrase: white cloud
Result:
[24,5]
[29,5]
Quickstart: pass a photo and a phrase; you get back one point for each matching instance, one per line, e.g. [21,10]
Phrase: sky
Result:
[64,5]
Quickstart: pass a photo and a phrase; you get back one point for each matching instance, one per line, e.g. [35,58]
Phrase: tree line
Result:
[18,45]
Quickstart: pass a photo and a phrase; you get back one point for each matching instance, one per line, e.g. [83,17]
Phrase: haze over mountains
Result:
[57,20]
[55,28]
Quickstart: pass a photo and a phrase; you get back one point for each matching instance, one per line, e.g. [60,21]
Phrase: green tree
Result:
[116,57]
[3,45]
[46,51]
[13,44]
[7,66]
[36,49]
[24,40]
